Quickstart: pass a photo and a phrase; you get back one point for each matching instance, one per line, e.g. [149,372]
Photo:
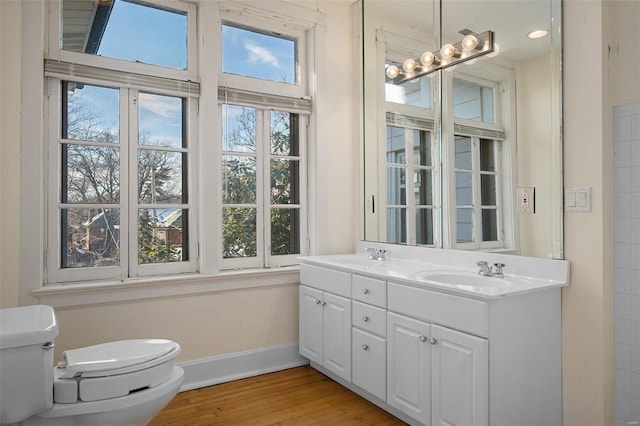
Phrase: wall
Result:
[223,318]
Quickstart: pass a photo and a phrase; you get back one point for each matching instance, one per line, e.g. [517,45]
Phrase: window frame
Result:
[128,269]
[56,52]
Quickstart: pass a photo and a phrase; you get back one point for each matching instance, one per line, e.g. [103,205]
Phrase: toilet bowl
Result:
[111,384]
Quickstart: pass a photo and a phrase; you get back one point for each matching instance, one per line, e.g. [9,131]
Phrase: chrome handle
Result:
[365,290]
[324,303]
[365,318]
[432,341]
[318,301]
[48,346]
[423,339]
[365,347]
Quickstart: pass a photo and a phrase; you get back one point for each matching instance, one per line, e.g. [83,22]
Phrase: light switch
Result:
[577,199]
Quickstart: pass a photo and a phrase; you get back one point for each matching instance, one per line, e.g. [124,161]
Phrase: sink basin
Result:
[462,279]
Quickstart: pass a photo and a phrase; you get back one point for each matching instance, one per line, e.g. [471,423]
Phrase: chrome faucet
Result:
[485,269]
[376,254]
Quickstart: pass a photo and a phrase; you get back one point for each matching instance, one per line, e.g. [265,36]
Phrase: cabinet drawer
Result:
[369,318]
[335,282]
[369,363]
[460,313]
[369,290]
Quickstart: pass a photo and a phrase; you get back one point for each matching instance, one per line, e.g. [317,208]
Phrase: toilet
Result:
[111,384]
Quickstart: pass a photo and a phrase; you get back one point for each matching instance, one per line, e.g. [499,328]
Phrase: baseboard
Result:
[239,365]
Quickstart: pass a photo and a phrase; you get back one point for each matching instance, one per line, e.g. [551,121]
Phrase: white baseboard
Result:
[239,365]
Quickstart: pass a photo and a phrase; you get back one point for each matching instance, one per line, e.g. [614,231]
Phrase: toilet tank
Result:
[26,361]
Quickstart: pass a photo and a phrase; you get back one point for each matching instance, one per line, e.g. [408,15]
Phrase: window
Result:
[263,210]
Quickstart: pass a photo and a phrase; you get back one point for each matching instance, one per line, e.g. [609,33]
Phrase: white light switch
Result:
[577,199]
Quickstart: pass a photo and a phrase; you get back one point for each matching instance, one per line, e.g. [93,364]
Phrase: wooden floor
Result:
[299,396]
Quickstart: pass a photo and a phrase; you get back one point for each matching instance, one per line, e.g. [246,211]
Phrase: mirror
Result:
[469,157]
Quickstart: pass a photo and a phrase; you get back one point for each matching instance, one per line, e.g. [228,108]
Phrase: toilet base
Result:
[135,409]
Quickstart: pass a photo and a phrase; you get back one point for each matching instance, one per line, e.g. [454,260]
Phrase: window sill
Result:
[113,292]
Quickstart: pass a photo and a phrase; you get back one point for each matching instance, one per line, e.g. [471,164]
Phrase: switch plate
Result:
[527,200]
[577,199]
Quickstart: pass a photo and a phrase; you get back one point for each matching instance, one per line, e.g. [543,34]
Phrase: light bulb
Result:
[496,50]
[537,34]
[427,58]
[409,65]
[469,42]
[392,71]
[447,51]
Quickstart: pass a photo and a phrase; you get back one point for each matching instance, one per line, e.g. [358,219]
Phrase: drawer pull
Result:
[423,339]
[365,290]
[318,301]
[432,341]
[365,318]
[365,347]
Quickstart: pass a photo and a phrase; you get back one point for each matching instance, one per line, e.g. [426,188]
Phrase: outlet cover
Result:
[527,200]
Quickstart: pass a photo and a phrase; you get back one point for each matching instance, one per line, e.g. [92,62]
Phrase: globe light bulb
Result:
[427,59]
[392,71]
[409,65]
[496,50]
[469,42]
[447,51]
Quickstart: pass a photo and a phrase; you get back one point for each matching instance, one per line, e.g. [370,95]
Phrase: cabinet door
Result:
[369,363]
[408,366]
[337,335]
[460,374]
[310,324]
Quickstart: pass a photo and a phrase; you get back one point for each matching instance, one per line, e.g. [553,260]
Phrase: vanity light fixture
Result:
[470,47]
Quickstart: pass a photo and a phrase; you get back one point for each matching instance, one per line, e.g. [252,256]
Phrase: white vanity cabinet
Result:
[325,320]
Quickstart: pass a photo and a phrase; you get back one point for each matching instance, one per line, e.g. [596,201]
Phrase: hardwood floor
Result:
[298,396]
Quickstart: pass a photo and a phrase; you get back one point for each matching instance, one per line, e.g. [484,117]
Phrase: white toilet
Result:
[112,384]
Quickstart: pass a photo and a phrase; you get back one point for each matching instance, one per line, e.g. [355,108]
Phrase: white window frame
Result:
[57,53]
[128,205]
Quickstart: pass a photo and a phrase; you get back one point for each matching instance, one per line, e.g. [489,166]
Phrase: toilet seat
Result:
[114,369]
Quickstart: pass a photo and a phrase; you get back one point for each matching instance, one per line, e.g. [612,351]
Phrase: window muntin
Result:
[262,177]
[107,29]
[123,193]
[409,186]
[259,54]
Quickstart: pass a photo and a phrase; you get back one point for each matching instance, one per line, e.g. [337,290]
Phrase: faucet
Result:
[376,254]
[485,269]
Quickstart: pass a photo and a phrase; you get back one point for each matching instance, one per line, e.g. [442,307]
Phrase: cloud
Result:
[260,55]
[166,107]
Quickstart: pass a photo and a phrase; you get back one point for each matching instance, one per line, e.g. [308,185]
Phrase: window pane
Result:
[91,174]
[90,237]
[396,225]
[423,187]
[424,226]
[239,232]
[421,148]
[472,101]
[239,179]
[109,28]
[284,181]
[488,190]
[396,186]
[487,155]
[239,128]
[90,113]
[415,92]
[489,225]
[464,191]
[463,153]
[162,235]
[285,231]
[262,55]
[161,121]
[284,133]
[464,225]
[160,177]
[396,145]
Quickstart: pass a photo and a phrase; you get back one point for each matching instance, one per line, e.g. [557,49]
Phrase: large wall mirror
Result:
[467,157]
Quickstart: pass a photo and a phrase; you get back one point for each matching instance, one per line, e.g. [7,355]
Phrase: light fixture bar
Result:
[470,47]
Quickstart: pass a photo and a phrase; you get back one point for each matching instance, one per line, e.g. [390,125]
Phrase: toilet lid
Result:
[114,355]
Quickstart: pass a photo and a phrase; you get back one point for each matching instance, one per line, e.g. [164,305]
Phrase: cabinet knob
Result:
[324,303]
[365,318]
[365,347]
[318,301]
[423,339]
[365,290]
[432,341]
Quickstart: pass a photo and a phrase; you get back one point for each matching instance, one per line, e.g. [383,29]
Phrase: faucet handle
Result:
[498,272]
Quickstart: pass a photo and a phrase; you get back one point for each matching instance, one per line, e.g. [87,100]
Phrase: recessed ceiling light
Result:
[538,34]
